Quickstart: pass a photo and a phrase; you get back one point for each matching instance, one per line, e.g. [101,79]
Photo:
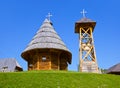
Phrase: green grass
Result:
[58,79]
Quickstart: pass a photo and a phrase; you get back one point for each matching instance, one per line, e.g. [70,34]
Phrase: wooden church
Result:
[47,51]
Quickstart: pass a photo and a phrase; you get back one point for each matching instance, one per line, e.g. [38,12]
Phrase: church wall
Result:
[45,64]
[54,61]
[63,62]
[41,61]
[47,61]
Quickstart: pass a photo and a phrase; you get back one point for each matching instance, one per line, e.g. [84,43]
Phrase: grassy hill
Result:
[58,79]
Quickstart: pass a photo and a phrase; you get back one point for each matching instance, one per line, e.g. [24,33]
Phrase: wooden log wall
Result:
[53,61]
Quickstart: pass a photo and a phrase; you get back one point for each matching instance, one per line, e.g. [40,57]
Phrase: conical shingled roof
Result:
[46,37]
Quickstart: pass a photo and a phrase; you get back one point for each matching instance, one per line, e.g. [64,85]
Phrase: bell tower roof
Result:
[84,22]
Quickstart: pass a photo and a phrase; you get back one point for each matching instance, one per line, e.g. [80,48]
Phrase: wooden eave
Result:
[47,50]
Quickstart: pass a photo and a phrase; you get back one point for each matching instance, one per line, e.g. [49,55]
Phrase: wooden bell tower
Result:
[87,54]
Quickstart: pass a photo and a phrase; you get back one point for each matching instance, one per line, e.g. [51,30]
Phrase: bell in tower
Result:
[87,55]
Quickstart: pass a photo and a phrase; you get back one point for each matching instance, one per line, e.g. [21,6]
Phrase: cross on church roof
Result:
[48,16]
[83,13]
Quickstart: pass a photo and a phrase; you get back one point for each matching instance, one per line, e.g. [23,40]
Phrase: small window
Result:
[30,65]
[44,58]
[5,68]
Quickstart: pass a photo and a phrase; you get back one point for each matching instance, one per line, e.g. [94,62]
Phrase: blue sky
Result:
[20,20]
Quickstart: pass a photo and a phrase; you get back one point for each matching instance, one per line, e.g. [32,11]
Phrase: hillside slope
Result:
[58,79]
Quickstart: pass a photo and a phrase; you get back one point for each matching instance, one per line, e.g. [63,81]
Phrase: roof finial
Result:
[48,16]
[83,13]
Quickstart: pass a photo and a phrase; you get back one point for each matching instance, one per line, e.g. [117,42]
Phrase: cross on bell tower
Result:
[87,54]
[83,13]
